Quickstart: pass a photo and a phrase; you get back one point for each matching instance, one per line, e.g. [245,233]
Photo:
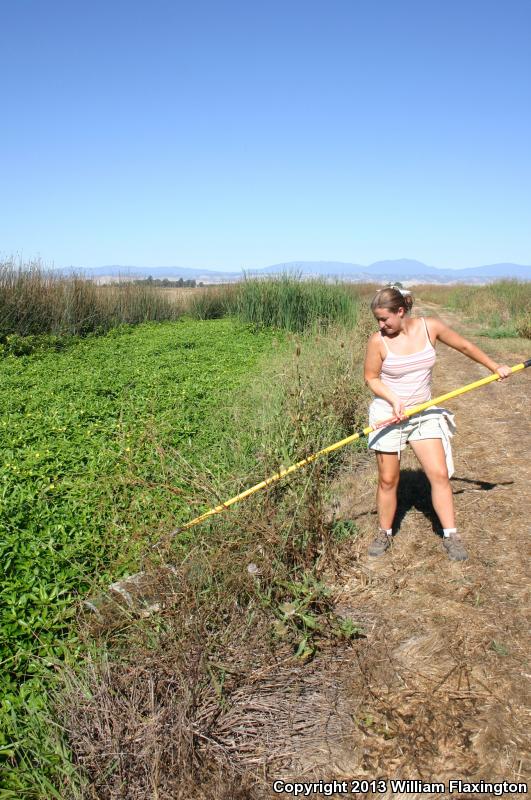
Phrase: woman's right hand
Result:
[399,410]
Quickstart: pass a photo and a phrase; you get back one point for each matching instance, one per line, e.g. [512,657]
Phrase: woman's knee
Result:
[388,481]
[439,477]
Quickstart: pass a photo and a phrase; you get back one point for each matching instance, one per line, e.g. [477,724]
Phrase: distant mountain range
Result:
[404,270]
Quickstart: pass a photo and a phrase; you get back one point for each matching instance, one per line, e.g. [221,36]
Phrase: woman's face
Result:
[389,322]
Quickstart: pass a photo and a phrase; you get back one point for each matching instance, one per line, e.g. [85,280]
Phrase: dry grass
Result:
[194,700]
[502,308]
[182,297]
[152,728]
[36,301]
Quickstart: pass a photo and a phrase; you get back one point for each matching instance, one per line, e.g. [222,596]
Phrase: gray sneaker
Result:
[380,543]
[455,547]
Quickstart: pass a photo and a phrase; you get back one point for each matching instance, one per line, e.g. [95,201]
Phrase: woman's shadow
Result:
[414,491]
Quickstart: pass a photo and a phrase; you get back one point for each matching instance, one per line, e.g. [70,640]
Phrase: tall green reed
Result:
[286,302]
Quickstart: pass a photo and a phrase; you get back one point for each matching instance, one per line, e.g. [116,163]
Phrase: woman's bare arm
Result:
[441,331]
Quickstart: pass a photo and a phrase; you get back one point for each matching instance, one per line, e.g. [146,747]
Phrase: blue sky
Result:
[240,134]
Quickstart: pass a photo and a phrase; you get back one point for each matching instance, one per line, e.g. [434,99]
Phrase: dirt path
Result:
[437,690]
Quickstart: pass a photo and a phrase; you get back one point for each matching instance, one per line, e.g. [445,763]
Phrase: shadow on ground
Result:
[414,492]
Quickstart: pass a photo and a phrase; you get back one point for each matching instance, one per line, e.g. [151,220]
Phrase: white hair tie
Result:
[398,289]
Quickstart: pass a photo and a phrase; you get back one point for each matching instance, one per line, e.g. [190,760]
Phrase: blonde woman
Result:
[398,369]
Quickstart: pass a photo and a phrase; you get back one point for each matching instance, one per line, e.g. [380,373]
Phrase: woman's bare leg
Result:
[388,477]
[430,453]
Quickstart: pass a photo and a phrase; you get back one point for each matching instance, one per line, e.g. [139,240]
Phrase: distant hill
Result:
[402,269]
[380,272]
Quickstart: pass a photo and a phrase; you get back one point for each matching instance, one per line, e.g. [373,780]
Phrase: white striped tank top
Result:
[408,376]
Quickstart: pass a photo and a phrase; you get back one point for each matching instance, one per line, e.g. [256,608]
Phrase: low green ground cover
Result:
[85,436]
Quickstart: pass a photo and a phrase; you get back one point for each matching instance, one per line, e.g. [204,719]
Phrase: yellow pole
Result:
[337,445]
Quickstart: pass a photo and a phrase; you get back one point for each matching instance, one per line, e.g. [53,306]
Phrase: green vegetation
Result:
[293,304]
[113,441]
[166,283]
[84,478]
[285,302]
[40,309]
[503,308]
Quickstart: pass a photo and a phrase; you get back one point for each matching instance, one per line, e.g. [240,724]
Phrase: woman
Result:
[398,367]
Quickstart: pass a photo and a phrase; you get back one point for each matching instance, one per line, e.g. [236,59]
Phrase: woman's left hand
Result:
[503,371]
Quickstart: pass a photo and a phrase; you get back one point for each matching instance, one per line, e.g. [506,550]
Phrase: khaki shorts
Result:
[393,438]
